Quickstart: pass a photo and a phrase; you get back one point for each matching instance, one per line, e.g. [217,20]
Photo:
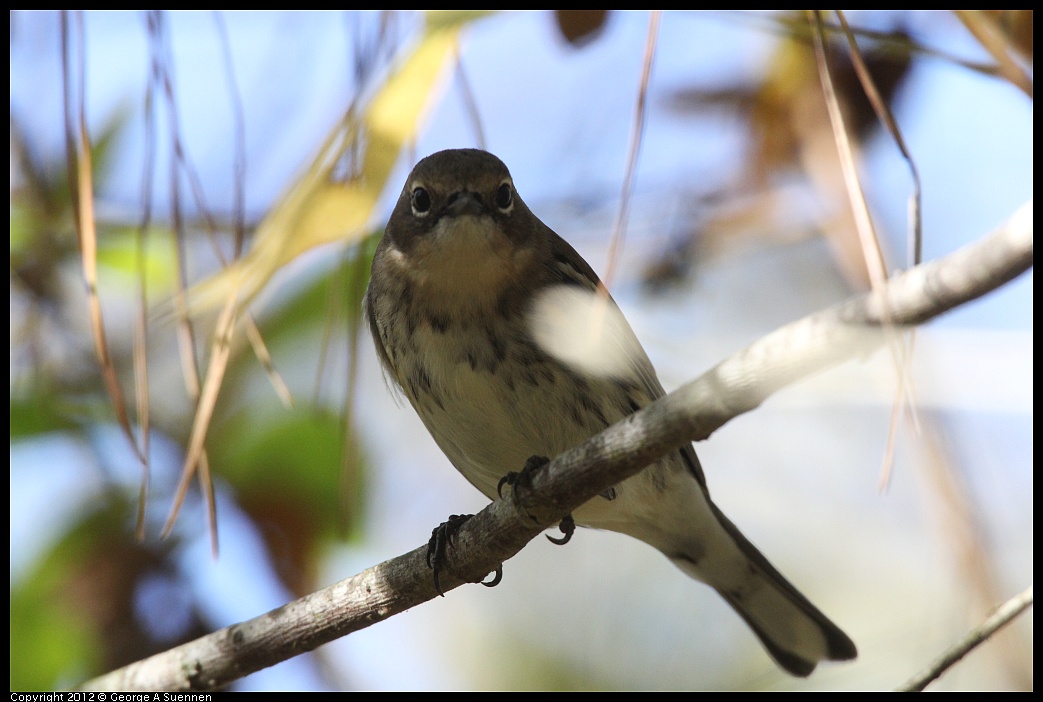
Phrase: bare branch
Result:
[1003,615]
[693,412]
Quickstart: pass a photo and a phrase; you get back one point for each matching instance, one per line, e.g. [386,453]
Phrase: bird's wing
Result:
[577,322]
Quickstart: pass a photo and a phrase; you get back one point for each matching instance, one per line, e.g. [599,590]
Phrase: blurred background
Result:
[289,134]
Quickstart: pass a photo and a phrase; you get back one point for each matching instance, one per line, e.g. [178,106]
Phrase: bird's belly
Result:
[489,423]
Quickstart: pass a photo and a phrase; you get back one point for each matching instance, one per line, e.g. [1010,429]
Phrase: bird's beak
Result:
[465,203]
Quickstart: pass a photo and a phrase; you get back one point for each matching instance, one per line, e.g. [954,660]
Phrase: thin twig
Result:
[1003,615]
[985,31]
[78,148]
[636,135]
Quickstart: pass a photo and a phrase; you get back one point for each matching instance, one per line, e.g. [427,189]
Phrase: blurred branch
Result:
[637,131]
[897,43]
[986,31]
[975,637]
[81,189]
[693,412]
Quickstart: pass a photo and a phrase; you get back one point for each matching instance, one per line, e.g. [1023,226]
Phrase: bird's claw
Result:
[441,538]
[523,478]
[567,527]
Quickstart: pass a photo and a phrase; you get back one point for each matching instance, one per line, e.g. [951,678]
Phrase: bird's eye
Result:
[421,201]
[504,196]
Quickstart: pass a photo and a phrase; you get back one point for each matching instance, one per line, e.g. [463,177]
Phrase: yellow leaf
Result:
[319,208]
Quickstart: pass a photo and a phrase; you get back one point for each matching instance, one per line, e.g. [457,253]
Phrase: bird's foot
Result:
[567,527]
[523,479]
[441,538]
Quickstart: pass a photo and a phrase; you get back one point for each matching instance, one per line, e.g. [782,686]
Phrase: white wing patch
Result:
[586,331]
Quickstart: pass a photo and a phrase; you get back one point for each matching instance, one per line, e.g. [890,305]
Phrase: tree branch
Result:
[693,412]
[975,637]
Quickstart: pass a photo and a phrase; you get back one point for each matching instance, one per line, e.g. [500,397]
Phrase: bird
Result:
[503,340]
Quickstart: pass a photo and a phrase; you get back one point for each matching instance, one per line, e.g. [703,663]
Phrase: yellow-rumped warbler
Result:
[483,316]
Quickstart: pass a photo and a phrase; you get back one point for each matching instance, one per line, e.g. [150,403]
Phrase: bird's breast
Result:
[491,399]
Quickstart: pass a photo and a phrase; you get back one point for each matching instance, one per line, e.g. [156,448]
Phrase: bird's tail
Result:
[796,634]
